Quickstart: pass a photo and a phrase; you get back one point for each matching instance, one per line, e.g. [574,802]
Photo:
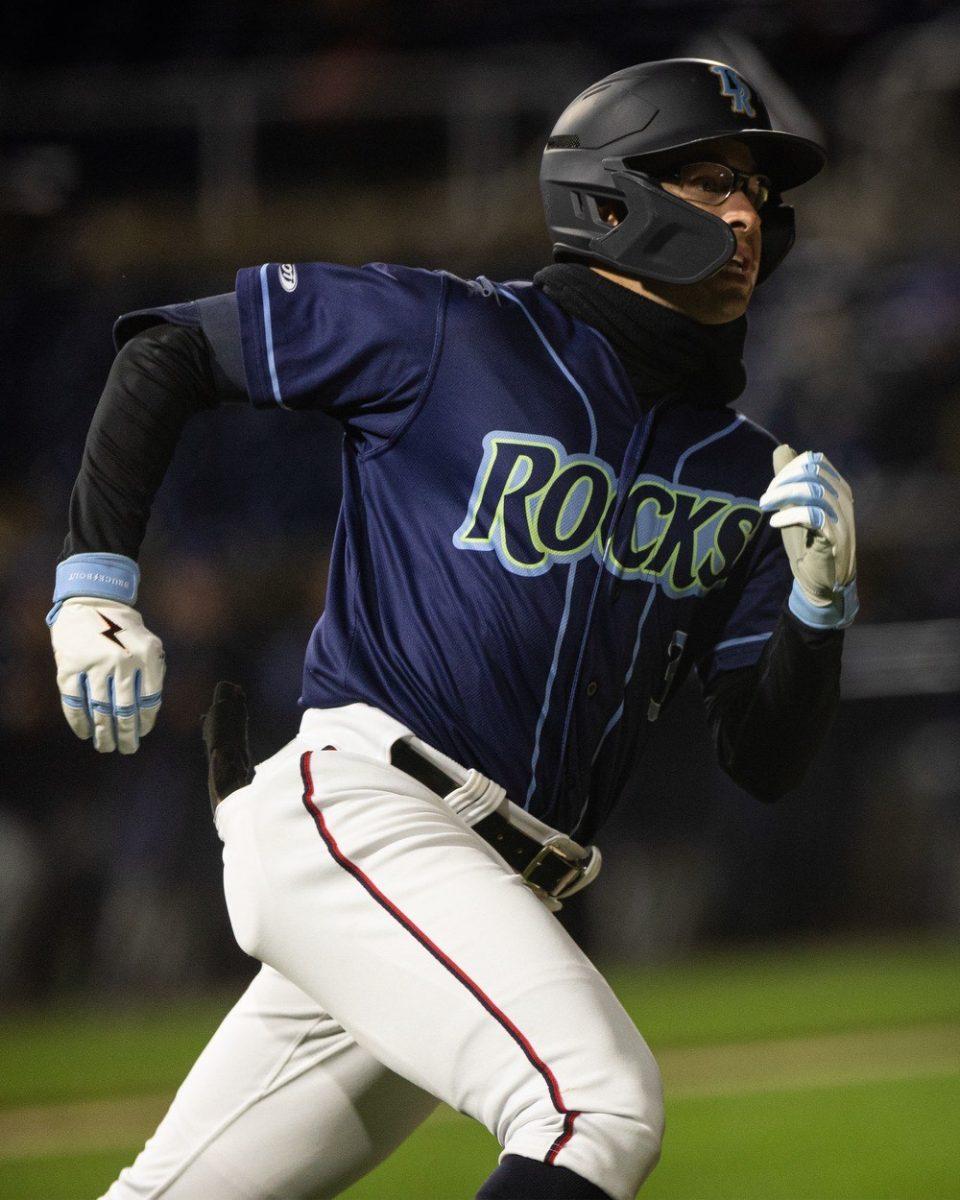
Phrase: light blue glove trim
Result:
[120,710]
[109,576]
[837,615]
[110,708]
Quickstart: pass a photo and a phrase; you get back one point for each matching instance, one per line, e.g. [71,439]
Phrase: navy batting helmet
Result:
[611,143]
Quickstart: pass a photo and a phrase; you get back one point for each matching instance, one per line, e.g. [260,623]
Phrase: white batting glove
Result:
[109,665]
[812,506]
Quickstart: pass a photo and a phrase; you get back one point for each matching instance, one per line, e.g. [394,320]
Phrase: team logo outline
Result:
[496,537]
[705,517]
[735,89]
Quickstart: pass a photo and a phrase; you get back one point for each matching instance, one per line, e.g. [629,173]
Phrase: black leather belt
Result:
[546,868]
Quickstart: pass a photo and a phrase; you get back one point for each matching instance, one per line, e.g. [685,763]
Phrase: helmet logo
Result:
[734,88]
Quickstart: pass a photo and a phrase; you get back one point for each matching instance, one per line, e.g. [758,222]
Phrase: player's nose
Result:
[738,211]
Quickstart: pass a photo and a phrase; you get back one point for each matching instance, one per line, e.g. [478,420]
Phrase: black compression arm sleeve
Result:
[768,721]
[158,380]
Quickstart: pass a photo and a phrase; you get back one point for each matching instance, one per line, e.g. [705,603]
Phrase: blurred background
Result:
[149,152]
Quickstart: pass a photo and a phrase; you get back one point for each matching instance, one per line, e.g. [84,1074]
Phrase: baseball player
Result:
[550,515]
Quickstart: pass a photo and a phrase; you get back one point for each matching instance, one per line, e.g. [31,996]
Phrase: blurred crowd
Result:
[109,872]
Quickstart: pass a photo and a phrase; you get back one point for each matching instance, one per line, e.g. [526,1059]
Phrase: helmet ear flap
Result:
[662,237]
[779,232]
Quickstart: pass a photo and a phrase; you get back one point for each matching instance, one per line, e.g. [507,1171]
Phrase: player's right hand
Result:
[109,670]
[812,506]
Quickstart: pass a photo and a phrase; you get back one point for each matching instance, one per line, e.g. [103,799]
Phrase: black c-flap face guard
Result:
[662,236]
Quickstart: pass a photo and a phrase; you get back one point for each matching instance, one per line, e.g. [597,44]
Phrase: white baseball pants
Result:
[405,963]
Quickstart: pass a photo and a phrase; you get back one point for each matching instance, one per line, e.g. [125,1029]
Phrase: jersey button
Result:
[592,687]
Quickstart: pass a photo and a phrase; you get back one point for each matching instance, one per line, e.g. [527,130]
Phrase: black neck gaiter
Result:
[663,352]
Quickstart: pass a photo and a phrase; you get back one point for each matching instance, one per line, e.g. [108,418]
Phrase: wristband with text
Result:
[109,576]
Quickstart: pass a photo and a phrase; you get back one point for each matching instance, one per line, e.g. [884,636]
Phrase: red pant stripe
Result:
[564,1137]
[569,1116]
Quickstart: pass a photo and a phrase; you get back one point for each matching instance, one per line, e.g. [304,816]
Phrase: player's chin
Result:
[731,292]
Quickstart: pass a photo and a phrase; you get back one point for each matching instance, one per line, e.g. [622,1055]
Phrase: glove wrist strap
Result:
[109,576]
[836,615]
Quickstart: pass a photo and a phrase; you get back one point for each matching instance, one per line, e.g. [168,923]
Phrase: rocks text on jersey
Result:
[534,505]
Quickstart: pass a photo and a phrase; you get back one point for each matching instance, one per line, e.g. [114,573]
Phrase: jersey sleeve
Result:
[216,317]
[357,343]
[749,607]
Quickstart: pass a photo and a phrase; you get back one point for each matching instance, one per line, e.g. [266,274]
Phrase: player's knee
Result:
[613,1130]
[624,1134]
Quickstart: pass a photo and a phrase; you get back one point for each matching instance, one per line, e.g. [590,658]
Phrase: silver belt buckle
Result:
[573,875]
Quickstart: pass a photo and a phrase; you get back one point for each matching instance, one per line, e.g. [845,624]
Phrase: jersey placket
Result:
[569,776]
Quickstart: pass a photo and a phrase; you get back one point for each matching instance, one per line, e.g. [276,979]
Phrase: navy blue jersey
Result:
[525,561]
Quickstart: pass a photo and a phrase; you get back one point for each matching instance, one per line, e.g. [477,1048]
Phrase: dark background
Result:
[146,152]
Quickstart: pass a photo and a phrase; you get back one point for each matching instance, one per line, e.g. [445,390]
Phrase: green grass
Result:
[878,1141]
[84,1054]
[67,1177]
[80,1052]
[812,988]
[867,1142]
[892,1140]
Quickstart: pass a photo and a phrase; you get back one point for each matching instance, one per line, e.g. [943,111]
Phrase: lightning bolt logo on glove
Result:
[110,688]
[111,631]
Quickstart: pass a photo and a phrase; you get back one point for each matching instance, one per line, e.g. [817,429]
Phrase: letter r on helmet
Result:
[734,88]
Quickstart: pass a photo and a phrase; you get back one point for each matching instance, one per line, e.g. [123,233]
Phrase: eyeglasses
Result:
[712,183]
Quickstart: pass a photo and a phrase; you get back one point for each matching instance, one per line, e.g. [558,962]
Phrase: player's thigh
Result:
[281,1102]
[392,914]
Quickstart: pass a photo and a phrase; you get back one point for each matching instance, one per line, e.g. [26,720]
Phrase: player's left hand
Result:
[109,670]
[812,506]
